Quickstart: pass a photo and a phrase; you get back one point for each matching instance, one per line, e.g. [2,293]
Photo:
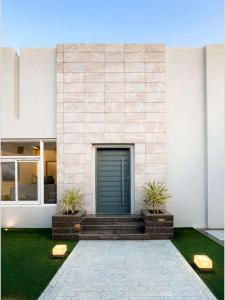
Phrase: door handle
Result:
[122,169]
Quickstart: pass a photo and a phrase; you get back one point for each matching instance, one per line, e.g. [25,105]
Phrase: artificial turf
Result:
[27,265]
[190,242]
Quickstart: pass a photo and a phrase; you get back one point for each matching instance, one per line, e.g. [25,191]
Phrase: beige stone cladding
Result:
[110,94]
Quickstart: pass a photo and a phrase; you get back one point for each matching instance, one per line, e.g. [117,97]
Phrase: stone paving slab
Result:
[122,270]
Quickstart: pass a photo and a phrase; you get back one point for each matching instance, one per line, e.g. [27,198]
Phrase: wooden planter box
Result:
[67,227]
[158,226]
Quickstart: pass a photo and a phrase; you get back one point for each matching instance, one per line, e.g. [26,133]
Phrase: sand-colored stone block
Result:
[114,57]
[73,67]
[114,97]
[94,107]
[155,148]
[155,137]
[135,67]
[73,87]
[154,57]
[134,107]
[94,117]
[134,47]
[74,77]
[114,107]
[73,138]
[114,67]
[134,97]
[114,117]
[155,127]
[114,87]
[135,117]
[134,77]
[94,77]
[135,57]
[155,67]
[94,67]
[114,77]
[73,127]
[135,87]
[74,107]
[155,107]
[114,47]
[94,87]
[134,127]
[94,97]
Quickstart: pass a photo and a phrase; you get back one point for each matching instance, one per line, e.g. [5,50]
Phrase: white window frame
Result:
[40,164]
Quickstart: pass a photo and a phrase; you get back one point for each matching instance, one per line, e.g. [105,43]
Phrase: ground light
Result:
[203,262]
[59,250]
[6,229]
[77,227]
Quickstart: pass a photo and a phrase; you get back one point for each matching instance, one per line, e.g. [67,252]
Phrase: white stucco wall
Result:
[195,84]
[35,216]
[36,91]
[35,87]
[186,136]
[215,134]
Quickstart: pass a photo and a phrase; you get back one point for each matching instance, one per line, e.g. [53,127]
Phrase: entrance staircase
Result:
[111,227]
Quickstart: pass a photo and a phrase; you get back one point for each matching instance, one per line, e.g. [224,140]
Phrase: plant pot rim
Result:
[78,212]
[147,212]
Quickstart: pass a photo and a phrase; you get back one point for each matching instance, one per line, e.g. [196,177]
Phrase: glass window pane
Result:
[27,181]
[50,172]
[20,148]
[7,181]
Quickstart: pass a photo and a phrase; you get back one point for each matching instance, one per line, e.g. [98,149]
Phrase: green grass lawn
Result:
[27,266]
[189,242]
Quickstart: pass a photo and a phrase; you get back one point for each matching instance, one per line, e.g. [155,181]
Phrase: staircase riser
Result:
[126,237]
[114,231]
[114,237]
[112,226]
[110,221]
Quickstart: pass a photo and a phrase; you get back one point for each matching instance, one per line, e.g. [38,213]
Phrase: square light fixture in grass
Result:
[59,250]
[203,262]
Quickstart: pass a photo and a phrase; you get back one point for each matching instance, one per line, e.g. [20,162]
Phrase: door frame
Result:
[95,147]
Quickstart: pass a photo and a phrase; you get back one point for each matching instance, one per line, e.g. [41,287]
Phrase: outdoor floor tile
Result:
[134,270]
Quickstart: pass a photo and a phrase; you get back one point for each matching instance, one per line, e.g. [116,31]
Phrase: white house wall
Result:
[195,133]
[215,134]
[36,93]
[186,136]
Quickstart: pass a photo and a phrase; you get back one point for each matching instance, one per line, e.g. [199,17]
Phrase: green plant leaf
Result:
[155,195]
[71,200]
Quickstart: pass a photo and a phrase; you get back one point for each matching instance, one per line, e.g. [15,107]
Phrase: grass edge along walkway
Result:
[190,242]
[27,265]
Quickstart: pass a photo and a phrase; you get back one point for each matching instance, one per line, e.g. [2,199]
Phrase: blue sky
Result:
[45,23]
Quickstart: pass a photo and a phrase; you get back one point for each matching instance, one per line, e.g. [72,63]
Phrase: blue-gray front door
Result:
[113,181]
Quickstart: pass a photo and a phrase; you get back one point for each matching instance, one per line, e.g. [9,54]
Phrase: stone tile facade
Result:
[110,94]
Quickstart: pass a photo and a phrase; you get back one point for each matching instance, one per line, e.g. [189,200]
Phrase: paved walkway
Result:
[219,234]
[121,270]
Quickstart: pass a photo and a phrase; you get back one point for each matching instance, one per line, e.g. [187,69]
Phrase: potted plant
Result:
[156,195]
[66,223]
[158,222]
[70,201]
